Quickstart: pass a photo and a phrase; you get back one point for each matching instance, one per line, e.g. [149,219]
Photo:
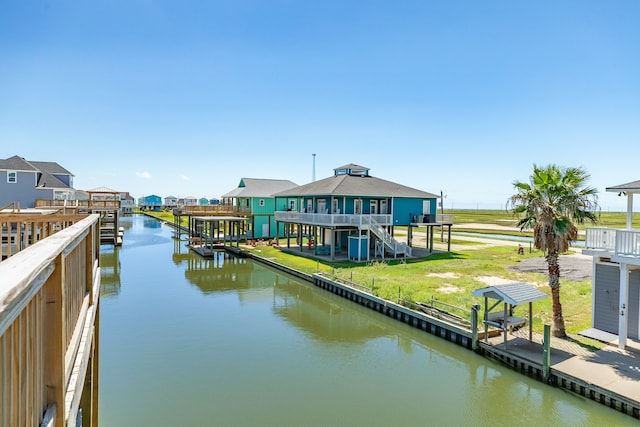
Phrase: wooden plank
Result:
[76,336]
[81,362]
[55,342]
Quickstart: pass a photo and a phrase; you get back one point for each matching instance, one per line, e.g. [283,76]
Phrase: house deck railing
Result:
[615,241]
[444,218]
[334,220]
[48,328]
[20,231]
[82,204]
[212,209]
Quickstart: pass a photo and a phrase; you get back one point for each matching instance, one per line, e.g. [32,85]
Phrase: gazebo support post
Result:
[530,321]
[504,325]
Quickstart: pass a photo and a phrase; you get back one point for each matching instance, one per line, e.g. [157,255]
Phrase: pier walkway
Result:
[610,373]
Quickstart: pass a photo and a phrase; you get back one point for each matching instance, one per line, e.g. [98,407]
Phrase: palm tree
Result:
[553,200]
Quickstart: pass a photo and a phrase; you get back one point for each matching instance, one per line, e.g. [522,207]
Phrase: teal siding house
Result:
[150,203]
[255,196]
[352,206]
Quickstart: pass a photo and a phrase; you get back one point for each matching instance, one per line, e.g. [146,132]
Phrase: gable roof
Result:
[17,163]
[355,185]
[51,167]
[256,187]
[103,190]
[46,179]
[631,187]
[511,293]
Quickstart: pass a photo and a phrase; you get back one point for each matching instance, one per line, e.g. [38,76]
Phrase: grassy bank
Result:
[448,277]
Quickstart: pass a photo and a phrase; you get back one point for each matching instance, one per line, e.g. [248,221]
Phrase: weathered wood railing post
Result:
[546,353]
[474,326]
[55,341]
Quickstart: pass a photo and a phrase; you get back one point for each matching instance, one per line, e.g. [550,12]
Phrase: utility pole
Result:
[313,174]
[441,215]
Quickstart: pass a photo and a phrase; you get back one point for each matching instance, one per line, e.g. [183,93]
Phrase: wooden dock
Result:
[104,203]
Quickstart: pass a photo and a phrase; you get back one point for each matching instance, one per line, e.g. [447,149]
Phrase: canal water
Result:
[186,341]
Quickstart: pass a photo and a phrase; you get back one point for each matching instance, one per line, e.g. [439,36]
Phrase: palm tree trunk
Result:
[557,327]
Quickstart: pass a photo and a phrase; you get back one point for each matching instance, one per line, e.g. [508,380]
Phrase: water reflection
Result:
[109,271]
[321,314]
[228,341]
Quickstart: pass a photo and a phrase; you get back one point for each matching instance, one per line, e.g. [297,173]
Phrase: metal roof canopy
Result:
[220,218]
[510,294]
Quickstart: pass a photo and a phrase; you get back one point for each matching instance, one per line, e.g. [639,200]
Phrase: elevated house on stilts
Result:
[354,213]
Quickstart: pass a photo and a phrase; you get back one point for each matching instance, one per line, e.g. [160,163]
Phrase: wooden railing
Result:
[212,209]
[444,218]
[19,231]
[361,221]
[83,204]
[49,295]
[615,241]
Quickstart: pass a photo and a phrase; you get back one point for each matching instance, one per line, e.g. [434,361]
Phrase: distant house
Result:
[615,281]
[255,197]
[24,181]
[150,203]
[170,202]
[127,202]
[188,201]
[354,204]
[214,201]
[203,201]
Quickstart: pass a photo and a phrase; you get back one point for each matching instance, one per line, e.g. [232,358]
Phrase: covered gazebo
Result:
[509,295]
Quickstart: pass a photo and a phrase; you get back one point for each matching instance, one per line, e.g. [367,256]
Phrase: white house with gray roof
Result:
[25,181]
[615,282]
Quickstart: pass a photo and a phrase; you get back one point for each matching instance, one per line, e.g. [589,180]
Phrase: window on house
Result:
[261,202]
[12,177]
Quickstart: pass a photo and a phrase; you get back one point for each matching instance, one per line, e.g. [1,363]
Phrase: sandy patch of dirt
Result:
[444,275]
[493,280]
[448,289]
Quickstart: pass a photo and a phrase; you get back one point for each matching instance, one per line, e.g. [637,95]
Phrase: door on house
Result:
[322,206]
[373,207]
[607,298]
[310,205]
[634,305]
[426,207]
[334,206]
[357,206]
[265,230]
[383,207]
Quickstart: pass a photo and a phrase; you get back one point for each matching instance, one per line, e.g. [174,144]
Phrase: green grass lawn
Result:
[503,217]
[450,277]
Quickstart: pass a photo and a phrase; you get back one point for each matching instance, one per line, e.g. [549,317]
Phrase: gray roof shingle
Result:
[350,185]
[255,187]
[17,163]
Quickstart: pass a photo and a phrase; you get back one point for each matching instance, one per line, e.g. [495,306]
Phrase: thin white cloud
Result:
[145,175]
[184,177]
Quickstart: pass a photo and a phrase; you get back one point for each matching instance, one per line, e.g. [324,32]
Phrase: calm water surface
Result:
[229,342]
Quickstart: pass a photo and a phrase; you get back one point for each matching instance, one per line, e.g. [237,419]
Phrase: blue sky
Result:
[185,98]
